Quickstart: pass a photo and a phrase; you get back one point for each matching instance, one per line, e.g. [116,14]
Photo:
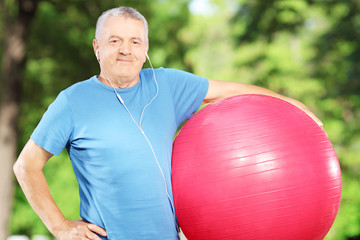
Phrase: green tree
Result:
[329,30]
[337,67]
[308,50]
[16,19]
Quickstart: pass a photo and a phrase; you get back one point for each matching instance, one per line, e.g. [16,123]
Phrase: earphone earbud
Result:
[97,55]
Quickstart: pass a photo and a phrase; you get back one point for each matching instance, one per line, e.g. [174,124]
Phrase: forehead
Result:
[123,27]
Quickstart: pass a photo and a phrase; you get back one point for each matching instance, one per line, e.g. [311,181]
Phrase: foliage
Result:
[308,50]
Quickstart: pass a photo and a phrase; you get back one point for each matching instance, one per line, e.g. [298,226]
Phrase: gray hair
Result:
[127,12]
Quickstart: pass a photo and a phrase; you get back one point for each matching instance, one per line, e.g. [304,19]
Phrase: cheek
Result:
[144,59]
[140,55]
[109,55]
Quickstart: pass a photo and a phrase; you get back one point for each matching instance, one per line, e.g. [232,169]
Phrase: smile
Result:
[124,60]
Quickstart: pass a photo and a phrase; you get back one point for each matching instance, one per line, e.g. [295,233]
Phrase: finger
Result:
[92,236]
[316,119]
[97,229]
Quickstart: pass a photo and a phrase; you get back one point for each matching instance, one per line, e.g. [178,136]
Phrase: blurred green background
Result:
[305,49]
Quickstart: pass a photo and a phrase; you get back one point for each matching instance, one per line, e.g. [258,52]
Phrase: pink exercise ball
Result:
[254,167]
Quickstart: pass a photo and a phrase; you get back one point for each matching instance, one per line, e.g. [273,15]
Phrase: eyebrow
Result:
[132,38]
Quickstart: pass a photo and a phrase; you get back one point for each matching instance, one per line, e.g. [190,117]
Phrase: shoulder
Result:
[149,72]
[80,89]
[80,85]
[168,74]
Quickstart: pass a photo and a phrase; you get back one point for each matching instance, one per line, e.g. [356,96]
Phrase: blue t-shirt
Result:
[121,186]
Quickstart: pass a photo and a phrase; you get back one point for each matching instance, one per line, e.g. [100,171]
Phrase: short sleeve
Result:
[55,128]
[188,91]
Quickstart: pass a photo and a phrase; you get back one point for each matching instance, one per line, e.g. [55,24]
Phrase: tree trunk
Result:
[16,30]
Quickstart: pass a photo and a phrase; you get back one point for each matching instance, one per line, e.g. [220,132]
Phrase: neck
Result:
[121,83]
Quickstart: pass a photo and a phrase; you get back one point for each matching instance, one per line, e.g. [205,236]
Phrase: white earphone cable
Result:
[139,125]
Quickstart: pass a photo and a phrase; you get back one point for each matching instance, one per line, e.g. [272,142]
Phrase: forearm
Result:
[29,172]
[219,90]
[36,190]
[259,90]
[247,89]
[222,89]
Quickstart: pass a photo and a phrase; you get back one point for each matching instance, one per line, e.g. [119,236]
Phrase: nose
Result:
[125,49]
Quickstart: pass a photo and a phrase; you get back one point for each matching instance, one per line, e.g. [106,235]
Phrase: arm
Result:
[28,170]
[221,89]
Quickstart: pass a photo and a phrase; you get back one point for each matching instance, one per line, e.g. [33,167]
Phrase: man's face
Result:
[122,46]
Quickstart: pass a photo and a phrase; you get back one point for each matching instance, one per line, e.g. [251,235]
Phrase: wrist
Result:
[57,227]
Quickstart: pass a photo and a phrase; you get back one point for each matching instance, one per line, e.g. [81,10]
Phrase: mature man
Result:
[118,129]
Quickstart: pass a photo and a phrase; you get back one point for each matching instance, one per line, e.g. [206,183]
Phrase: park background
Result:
[305,49]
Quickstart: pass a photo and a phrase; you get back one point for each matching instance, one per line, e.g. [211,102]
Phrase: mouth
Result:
[124,60]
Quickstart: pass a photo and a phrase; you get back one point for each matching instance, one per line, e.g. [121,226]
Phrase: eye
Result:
[114,41]
[136,42]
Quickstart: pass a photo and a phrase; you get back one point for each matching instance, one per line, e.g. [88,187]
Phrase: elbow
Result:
[17,168]
[30,161]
